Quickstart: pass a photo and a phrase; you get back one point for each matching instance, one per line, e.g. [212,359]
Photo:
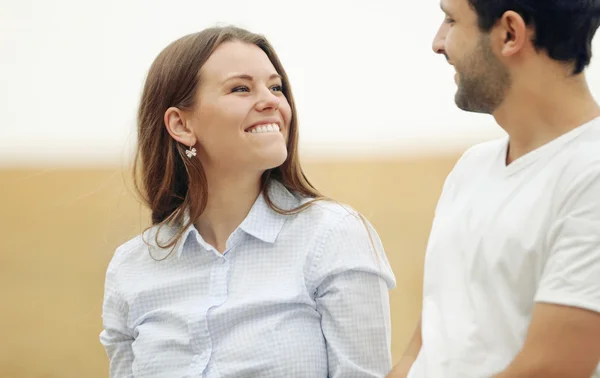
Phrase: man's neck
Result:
[539,112]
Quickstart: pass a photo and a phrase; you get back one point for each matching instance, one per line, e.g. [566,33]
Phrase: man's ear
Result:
[513,33]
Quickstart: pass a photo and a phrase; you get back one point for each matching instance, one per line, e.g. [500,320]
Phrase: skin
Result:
[239,88]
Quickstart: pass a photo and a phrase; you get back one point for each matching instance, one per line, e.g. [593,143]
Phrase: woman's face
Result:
[241,119]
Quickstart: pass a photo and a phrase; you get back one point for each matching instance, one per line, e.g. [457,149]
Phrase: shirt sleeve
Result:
[352,278]
[115,336]
[571,275]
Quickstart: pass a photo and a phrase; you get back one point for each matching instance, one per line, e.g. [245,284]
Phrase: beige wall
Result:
[60,227]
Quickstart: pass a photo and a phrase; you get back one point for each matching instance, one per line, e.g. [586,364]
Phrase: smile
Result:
[266,128]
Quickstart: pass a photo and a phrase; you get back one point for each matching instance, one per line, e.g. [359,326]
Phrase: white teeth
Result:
[269,128]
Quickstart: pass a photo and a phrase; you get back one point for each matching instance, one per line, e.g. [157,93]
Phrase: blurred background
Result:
[379,131]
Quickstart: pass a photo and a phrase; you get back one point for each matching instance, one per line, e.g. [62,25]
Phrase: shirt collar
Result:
[262,222]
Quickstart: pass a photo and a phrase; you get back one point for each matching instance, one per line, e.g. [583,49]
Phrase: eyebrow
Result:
[249,78]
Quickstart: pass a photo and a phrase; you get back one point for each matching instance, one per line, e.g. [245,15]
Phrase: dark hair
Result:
[563,28]
[169,183]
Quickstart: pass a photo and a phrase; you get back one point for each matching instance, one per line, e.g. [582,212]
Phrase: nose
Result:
[267,101]
[438,42]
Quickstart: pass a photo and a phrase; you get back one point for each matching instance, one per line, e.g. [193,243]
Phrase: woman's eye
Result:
[241,88]
[277,88]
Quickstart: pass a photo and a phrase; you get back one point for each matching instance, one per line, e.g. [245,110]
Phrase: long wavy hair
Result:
[168,182]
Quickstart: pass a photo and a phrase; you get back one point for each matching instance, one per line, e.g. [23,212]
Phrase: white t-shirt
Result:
[503,238]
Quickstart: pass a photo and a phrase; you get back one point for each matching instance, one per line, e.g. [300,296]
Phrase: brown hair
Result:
[169,183]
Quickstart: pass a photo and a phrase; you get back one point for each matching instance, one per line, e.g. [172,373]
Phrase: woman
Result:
[247,271]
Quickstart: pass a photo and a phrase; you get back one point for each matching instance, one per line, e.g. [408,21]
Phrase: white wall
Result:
[365,78]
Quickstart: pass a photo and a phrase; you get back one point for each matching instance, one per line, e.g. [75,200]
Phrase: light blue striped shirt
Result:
[302,295]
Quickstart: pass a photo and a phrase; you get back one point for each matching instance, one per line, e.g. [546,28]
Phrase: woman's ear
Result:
[178,128]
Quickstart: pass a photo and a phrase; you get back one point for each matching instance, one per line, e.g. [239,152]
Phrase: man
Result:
[512,269]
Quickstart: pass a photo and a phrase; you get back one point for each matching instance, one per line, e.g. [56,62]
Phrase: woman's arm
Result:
[353,279]
[115,336]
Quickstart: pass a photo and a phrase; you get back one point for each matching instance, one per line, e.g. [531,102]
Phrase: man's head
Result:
[493,43]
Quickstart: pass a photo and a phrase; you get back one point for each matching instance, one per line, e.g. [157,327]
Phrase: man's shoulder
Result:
[475,157]
[483,151]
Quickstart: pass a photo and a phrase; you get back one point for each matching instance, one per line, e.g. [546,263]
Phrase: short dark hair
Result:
[563,28]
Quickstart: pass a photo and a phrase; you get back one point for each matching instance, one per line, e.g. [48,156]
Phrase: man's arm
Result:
[561,342]
[563,339]
[402,368]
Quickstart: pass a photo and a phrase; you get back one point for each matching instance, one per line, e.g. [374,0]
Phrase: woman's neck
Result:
[230,198]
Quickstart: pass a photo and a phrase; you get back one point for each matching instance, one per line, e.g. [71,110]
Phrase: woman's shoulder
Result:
[127,251]
[329,209]
[138,249]
[326,212]
[328,218]
[310,212]
[346,240]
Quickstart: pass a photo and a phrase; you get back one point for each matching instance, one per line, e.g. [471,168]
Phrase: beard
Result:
[483,80]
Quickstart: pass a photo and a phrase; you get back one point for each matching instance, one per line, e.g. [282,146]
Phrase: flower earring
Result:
[190,152]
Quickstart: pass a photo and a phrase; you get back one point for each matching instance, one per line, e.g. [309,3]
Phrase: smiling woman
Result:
[247,269]
[229,104]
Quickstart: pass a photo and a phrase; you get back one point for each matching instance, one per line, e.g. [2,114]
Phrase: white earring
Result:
[190,152]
